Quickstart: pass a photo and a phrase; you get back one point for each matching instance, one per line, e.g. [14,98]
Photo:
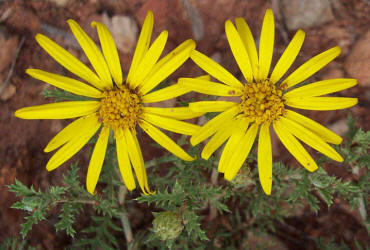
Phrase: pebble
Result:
[8,92]
[357,63]
[341,36]
[56,126]
[197,24]
[217,57]
[60,3]
[339,127]
[334,70]
[263,241]
[306,13]
[124,31]
[8,47]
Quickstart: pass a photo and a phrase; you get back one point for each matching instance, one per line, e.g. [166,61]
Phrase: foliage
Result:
[62,95]
[199,198]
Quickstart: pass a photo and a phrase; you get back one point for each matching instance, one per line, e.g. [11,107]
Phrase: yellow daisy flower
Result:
[262,101]
[118,105]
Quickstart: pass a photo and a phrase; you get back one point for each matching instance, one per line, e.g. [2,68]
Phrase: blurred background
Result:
[327,23]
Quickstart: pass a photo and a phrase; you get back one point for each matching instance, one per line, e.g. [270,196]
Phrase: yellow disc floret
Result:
[120,108]
[262,102]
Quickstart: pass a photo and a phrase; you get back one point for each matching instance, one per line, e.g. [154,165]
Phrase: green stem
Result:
[360,199]
[213,209]
[124,218]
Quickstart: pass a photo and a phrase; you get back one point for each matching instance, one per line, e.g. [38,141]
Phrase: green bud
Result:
[167,225]
[243,178]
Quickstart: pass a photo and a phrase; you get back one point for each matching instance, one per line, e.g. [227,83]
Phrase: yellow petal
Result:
[165,93]
[204,77]
[169,92]
[124,161]
[149,59]
[321,103]
[211,106]
[92,52]
[178,113]
[68,61]
[287,58]
[165,141]
[171,124]
[312,66]
[214,69]
[109,50]
[248,40]
[97,159]
[318,129]
[241,152]
[239,51]
[71,131]
[137,160]
[294,147]
[215,142]
[266,47]
[59,110]
[213,125]
[166,66]
[208,87]
[73,146]
[66,83]
[264,157]
[237,133]
[310,138]
[322,87]
[142,44]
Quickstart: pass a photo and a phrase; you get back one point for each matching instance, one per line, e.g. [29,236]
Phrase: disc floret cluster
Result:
[120,108]
[262,102]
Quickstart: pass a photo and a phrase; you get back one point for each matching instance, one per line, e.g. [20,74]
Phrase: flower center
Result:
[262,102]
[120,108]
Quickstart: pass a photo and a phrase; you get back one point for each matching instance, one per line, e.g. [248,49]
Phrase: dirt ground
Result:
[345,23]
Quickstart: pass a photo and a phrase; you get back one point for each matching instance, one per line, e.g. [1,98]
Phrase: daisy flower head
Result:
[115,104]
[264,100]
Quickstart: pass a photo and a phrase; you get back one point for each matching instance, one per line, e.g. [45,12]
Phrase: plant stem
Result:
[124,219]
[213,209]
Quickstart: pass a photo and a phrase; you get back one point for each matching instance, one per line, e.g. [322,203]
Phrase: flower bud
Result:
[243,178]
[167,225]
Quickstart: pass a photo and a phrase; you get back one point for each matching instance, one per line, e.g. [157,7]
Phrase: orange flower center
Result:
[120,108]
[262,102]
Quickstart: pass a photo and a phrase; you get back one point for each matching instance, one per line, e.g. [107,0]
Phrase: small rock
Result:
[23,19]
[197,24]
[306,13]
[56,126]
[334,70]
[357,63]
[367,94]
[124,31]
[8,92]
[161,10]
[340,127]
[8,46]
[202,120]
[333,73]
[341,36]
[60,3]
[263,241]
[216,57]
